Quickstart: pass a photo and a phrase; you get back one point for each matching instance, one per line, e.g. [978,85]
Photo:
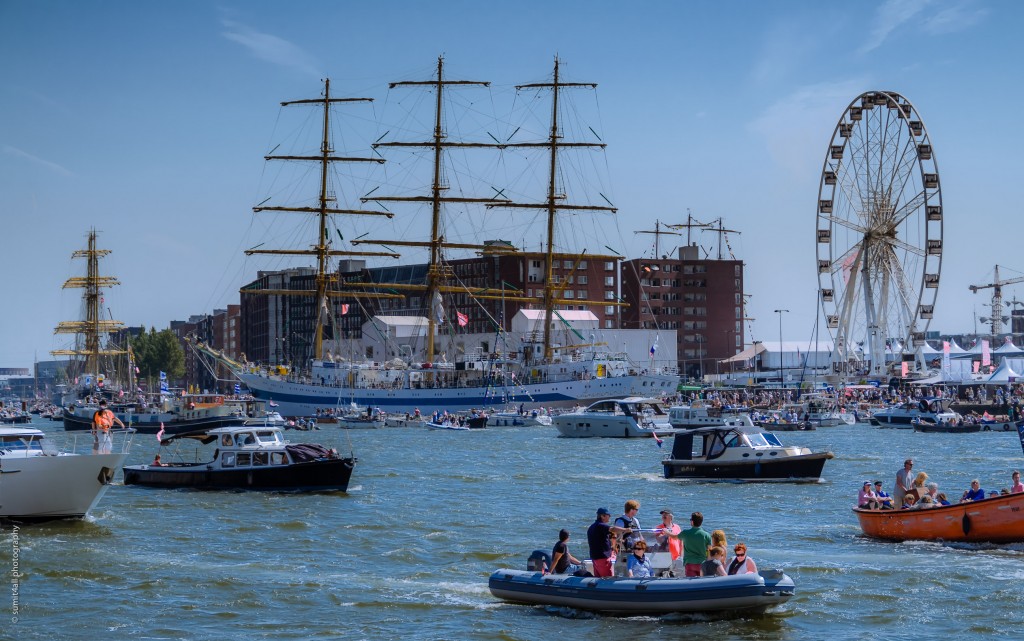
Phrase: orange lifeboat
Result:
[999,519]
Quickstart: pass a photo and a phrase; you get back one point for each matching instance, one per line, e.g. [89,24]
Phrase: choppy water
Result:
[407,551]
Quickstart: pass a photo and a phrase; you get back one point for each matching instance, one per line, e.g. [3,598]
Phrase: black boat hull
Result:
[322,474]
[171,428]
[794,468]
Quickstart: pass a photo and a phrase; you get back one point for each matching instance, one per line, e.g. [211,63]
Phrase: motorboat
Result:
[664,593]
[271,419]
[512,417]
[998,519]
[741,451]
[39,482]
[447,426]
[172,414]
[631,417]
[696,415]
[254,458]
[905,415]
[949,428]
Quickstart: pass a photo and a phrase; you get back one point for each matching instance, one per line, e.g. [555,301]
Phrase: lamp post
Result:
[782,370]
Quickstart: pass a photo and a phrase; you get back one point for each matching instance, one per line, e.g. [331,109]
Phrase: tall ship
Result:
[531,367]
[96,364]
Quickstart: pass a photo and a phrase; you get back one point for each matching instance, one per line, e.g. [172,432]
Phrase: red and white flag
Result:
[160,434]
[463,319]
[344,309]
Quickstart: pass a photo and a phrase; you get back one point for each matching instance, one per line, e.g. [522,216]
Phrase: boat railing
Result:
[84,443]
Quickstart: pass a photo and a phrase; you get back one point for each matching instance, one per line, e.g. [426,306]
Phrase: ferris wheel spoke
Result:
[909,208]
[849,224]
[895,242]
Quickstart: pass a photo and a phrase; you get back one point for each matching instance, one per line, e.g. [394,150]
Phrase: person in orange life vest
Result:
[102,421]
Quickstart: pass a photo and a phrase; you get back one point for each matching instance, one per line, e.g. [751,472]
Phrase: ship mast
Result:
[658,233]
[553,204]
[438,273]
[93,327]
[322,249]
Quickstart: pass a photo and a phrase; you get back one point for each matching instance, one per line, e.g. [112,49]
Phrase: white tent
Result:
[928,350]
[1003,374]
[1008,349]
[954,348]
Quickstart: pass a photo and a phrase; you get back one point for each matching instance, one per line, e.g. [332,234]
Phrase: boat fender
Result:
[106,475]
[966,524]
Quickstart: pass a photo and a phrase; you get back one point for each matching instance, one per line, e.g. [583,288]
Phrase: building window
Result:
[581,294]
[567,293]
[738,286]
[609,309]
[738,271]
[609,266]
[535,264]
[739,313]
[609,281]
[739,299]
[609,295]
[567,264]
[608,324]
[582,279]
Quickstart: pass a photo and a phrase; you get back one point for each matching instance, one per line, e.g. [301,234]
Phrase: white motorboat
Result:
[741,451]
[632,417]
[927,410]
[38,482]
[696,415]
[515,418]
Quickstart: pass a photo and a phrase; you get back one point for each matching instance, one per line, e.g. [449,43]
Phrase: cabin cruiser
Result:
[688,417]
[664,593]
[743,452]
[38,482]
[906,415]
[630,417]
[512,417]
[254,457]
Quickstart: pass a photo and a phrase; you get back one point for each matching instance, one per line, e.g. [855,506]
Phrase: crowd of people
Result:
[619,547]
[914,491]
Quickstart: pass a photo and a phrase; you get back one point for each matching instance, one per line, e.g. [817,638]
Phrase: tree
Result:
[157,352]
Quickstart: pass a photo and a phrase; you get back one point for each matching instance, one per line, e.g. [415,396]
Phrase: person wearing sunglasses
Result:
[638,566]
[741,563]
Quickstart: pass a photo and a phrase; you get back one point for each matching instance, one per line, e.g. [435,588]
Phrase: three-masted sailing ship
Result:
[552,380]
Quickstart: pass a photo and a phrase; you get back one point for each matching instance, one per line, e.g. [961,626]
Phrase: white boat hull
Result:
[54,487]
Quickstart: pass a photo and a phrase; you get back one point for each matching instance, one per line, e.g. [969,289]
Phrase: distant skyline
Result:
[149,122]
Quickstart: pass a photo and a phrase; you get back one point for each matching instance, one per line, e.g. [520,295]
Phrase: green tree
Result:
[157,352]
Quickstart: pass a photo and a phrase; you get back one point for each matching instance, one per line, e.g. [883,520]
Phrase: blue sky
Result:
[149,121]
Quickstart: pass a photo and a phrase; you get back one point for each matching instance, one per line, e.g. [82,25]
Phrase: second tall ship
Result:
[531,368]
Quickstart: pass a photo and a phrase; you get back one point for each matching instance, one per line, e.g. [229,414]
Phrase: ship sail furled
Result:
[326,283]
[92,332]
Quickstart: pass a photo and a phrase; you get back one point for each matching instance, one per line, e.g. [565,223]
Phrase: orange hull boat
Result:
[999,519]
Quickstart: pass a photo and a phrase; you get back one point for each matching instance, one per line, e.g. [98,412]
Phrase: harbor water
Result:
[407,551]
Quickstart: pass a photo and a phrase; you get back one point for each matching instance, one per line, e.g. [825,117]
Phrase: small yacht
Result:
[631,417]
[926,410]
[742,452]
[39,482]
[253,458]
[698,414]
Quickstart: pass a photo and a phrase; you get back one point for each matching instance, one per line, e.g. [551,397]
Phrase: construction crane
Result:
[997,299]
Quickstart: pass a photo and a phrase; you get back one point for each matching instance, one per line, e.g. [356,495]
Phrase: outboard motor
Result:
[539,561]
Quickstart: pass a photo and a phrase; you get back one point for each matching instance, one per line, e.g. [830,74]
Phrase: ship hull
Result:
[999,519]
[299,399]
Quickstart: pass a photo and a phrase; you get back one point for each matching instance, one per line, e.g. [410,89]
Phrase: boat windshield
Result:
[758,440]
[268,437]
[20,442]
[772,439]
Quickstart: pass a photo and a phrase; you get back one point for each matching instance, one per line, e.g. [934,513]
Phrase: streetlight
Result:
[782,370]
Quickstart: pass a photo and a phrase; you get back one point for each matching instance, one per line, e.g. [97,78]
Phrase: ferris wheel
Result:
[879,233]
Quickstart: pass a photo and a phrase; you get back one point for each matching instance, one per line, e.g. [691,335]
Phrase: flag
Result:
[163,376]
[160,434]
[657,440]
[463,319]
[136,369]
[120,394]
[654,348]
[344,309]
[163,387]
[238,388]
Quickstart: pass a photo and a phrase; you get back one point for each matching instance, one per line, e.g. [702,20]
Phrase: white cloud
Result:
[956,18]
[271,48]
[52,166]
[797,128]
[890,16]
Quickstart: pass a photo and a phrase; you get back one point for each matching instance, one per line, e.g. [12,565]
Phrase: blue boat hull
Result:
[739,594]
